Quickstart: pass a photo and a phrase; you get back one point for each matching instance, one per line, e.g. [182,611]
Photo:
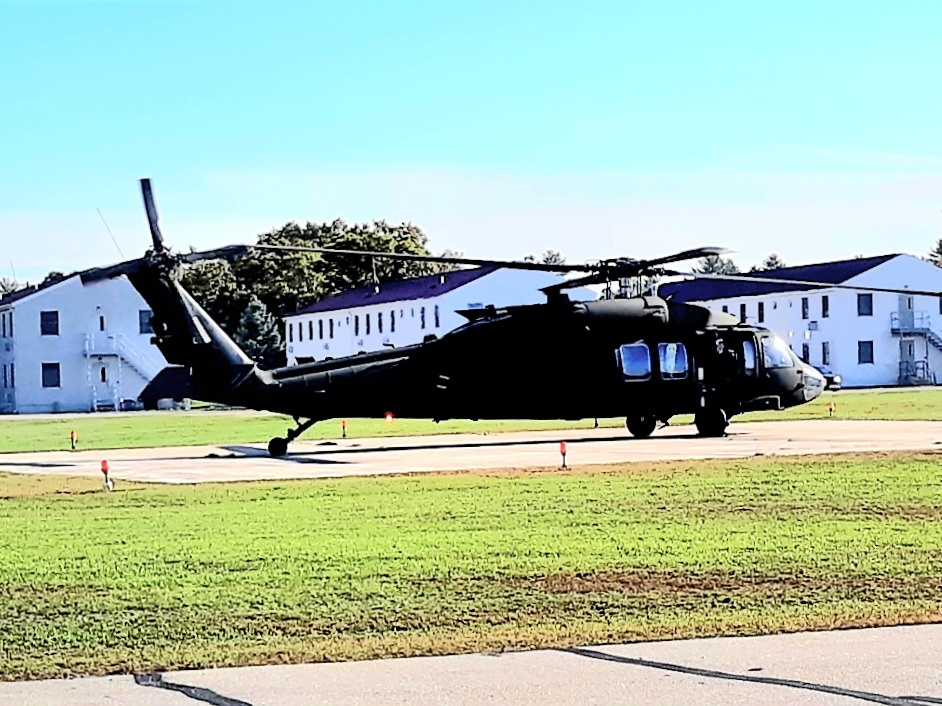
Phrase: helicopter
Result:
[642,357]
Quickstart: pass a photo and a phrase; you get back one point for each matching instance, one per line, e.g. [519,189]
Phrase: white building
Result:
[74,347]
[405,312]
[868,338]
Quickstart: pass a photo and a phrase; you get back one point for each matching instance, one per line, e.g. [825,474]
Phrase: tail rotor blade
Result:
[151,209]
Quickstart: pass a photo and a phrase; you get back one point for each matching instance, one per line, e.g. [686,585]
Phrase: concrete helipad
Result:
[352,457]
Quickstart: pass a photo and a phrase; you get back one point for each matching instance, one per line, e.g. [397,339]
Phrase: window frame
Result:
[51,368]
[865,297]
[47,323]
[861,347]
[627,376]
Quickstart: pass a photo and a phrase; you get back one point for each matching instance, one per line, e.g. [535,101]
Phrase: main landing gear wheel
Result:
[641,426]
[279,446]
[711,421]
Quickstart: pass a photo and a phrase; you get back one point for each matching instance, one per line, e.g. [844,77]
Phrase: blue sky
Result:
[813,130]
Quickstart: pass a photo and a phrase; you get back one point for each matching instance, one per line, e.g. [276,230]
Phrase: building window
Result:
[356,325]
[51,375]
[104,374]
[310,329]
[12,369]
[761,316]
[635,361]
[290,333]
[101,323]
[437,319]
[379,322]
[145,321]
[825,306]
[725,309]
[825,353]
[805,352]
[864,352]
[3,317]
[367,324]
[742,312]
[4,374]
[49,323]
[331,327]
[804,307]
[392,321]
[422,317]
[865,305]
[320,329]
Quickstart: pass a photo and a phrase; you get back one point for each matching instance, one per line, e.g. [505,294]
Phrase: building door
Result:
[104,379]
[907,356]
[906,321]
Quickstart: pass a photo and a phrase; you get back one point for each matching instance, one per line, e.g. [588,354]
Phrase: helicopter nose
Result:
[813,382]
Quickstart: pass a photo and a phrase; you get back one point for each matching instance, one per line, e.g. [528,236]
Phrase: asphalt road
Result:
[353,457]
[898,666]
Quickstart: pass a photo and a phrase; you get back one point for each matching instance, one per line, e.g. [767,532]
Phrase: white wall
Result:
[500,288]
[80,307]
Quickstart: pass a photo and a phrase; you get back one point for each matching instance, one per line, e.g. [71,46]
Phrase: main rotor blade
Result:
[694,254]
[759,279]
[223,253]
[477,262]
[151,209]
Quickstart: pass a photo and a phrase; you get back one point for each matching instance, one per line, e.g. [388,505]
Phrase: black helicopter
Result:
[640,357]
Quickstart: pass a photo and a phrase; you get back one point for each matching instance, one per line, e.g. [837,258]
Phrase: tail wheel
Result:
[278,447]
[711,421]
[641,425]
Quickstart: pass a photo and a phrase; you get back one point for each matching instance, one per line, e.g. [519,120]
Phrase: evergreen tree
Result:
[935,255]
[772,262]
[715,265]
[258,334]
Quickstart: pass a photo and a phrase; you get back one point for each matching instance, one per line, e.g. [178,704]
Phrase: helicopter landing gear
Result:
[641,425]
[711,421]
[279,446]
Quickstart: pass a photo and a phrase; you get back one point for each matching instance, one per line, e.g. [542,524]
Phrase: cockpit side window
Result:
[776,353]
[673,360]
[634,359]
[749,356]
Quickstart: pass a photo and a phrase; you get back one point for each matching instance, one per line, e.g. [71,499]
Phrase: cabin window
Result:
[635,361]
[775,353]
[825,306]
[49,323]
[145,323]
[673,360]
[865,305]
[749,355]
[761,313]
[804,307]
[50,375]
[864,352]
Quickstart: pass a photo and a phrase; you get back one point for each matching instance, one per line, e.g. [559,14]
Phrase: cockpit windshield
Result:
[776,353]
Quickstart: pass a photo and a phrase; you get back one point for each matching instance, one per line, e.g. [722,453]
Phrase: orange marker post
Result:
[343,427]
[831,408]
[109,484]
[73,438]
[562,452]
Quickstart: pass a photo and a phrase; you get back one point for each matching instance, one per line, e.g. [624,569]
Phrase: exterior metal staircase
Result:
[118,346]
[916,324]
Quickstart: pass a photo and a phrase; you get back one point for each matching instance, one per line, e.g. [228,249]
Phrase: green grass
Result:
[173,428]
[162,577]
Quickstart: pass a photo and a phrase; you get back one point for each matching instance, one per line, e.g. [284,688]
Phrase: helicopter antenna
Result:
[113,239]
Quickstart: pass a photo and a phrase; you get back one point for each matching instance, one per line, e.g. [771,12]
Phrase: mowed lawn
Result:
[151,577]
[199,427]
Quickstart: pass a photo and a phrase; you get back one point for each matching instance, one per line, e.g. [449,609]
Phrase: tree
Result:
[715,265]
[772,262]
[7,285]
[258,334]
[935,255]
[553,257]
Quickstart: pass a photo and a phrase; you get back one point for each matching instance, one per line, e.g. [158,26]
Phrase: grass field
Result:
[154,577]
[233,427]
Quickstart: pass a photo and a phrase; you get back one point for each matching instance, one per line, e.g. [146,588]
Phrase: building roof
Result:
[403,290]
[836,272]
